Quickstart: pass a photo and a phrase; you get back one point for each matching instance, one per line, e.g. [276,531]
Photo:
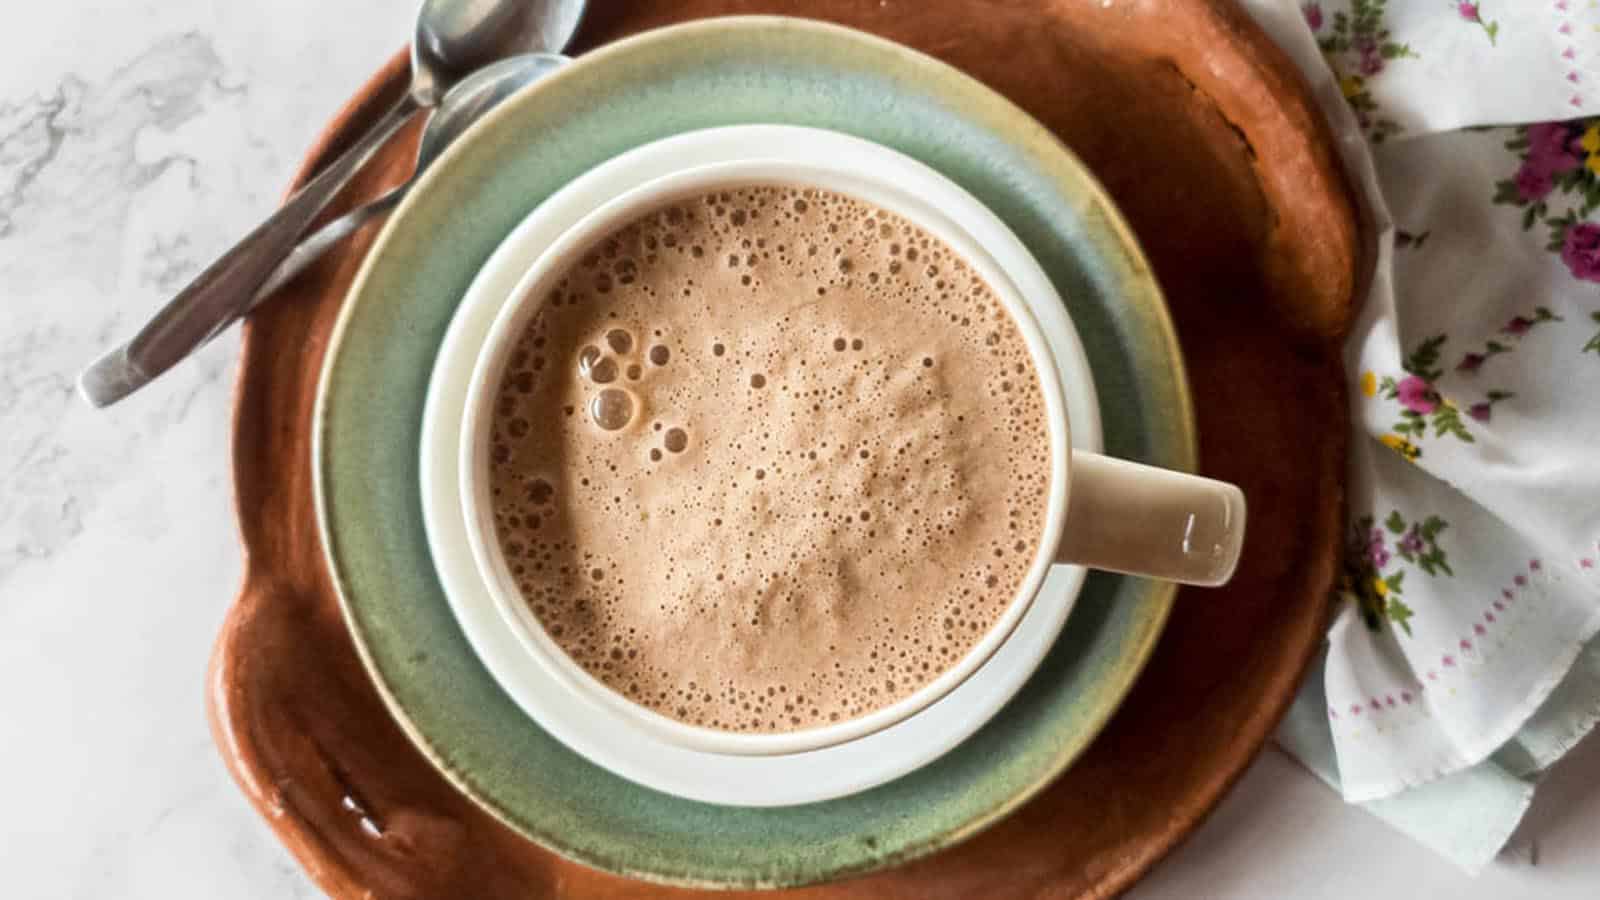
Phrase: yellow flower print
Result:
[1350,85]
[1591,143]
[1379,587]
[1402,446]
[1369,384]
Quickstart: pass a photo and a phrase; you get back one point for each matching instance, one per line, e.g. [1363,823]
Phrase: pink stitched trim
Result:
[1465,647]
[1569,55]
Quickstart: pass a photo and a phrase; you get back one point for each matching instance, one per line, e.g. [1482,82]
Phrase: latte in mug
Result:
[769,459]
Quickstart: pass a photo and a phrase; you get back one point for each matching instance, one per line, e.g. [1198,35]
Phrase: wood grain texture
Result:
[1206,138]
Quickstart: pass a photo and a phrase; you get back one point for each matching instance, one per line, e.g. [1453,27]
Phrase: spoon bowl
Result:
[455,38]
[465,104]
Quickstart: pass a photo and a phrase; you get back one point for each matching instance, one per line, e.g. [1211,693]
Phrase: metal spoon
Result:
[452,38]
[463,105]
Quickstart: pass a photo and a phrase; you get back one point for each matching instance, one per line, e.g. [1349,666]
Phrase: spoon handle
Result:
[317,244]
[226,289]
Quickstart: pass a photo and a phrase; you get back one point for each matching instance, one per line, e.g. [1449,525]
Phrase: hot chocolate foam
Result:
[769,459]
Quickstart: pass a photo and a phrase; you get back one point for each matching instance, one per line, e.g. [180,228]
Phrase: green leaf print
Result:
[1423,361]
[1447,420]
[1399,613]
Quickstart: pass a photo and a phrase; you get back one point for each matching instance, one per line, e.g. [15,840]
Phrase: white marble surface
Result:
[137,139]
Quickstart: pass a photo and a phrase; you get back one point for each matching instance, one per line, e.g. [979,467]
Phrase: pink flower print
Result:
[1479,630]
[1448,660]
[1466,646]
[1581,251]
[1518,326]
[1520,581]
[1355,709]
[1586,563]
[1405,696]
[1469,12]
[1544,137]
[1550,149]
[1471,362]
[1389,699]
[1377,552]
[1417,395]
[1535,565]
[1479,411]
[1489,617]
[1533,183]
[1412,542]
[1371,61]
[1499,606]
[1313,14]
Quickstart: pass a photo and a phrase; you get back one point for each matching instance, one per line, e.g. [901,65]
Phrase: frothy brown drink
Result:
[769,459]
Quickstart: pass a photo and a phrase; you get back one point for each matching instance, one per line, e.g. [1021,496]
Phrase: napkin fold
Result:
[1463,659]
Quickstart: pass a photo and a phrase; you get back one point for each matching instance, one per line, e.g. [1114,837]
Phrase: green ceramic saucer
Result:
[722,72]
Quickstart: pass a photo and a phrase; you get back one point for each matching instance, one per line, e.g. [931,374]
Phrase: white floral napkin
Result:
[1463,660]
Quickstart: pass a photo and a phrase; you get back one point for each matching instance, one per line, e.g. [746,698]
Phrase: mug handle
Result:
[1140,520]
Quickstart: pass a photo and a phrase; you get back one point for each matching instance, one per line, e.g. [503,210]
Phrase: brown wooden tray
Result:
[1207,139]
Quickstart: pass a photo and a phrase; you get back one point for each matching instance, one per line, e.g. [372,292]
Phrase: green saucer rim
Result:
[1155,351]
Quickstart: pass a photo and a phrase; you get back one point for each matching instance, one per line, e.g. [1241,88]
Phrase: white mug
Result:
[1102,512]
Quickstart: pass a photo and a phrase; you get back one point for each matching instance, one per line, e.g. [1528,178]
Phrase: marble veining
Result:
[137,140]
[86,168]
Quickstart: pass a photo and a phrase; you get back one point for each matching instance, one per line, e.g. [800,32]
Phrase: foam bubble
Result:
[604,371]
[611,409]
